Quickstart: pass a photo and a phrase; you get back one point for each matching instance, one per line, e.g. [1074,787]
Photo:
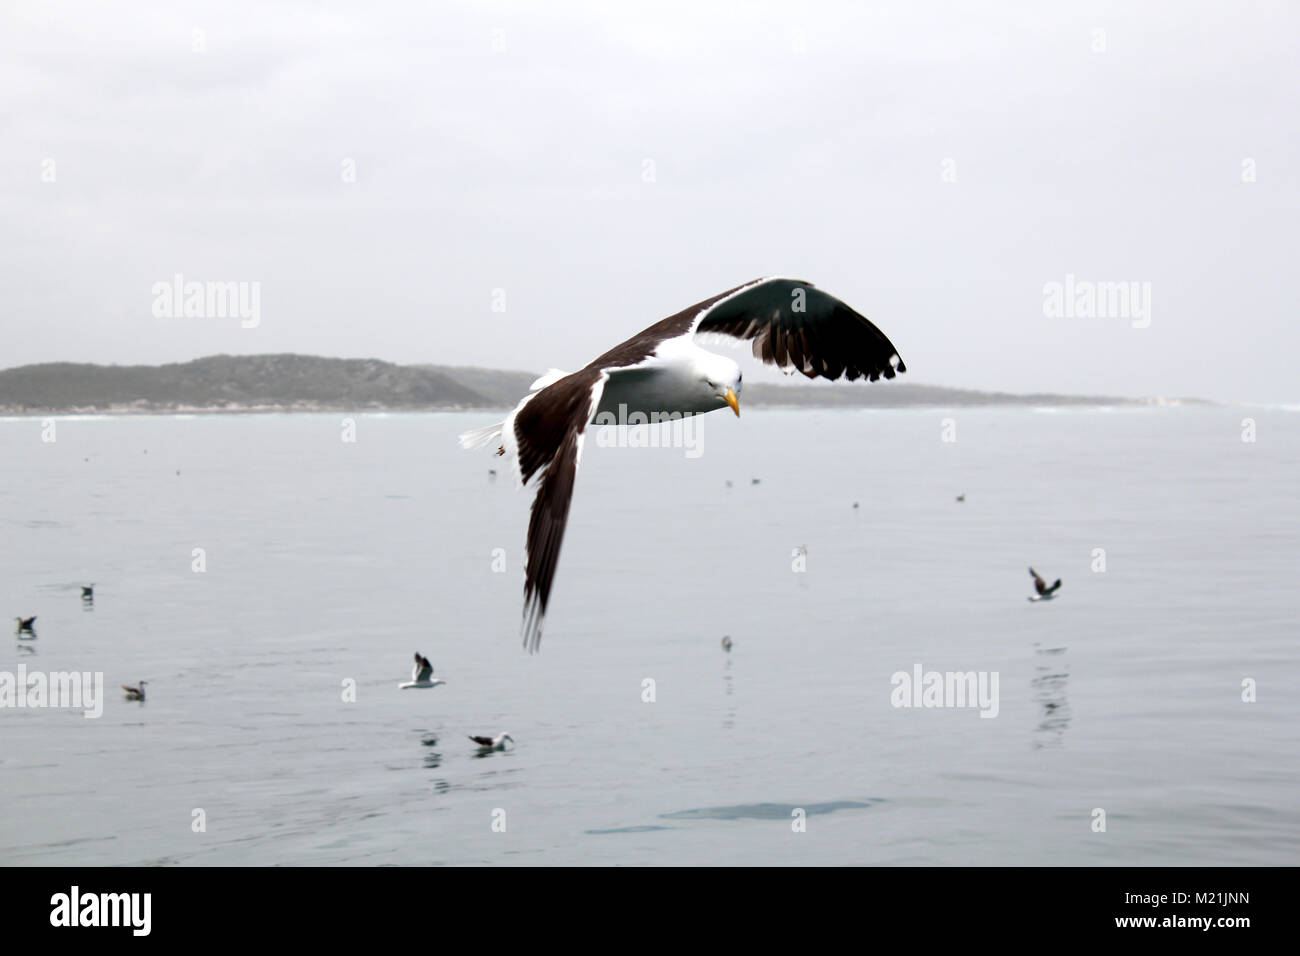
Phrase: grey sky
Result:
[810,140]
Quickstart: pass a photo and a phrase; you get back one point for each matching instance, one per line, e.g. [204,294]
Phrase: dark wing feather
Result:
[796,326]
[791,324]
[424,670]
[481,741]
[548,430]
[1039,584]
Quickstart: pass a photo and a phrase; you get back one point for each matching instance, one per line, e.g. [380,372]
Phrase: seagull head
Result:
[721,376]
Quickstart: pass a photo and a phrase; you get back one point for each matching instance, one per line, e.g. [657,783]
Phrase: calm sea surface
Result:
[329,562]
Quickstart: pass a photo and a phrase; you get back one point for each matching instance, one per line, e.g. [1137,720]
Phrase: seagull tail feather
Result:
[478,437]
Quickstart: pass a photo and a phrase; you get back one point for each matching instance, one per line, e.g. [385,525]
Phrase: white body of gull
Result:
[492,743]
[421,675]
[1044,592]
[662,374]
[134,693]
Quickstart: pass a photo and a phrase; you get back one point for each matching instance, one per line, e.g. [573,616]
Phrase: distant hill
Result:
[311,383]
[233,382]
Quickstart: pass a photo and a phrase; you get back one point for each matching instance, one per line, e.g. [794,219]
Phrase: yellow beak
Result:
[732,400]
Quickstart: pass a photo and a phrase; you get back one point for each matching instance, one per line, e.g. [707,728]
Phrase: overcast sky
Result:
[381,168]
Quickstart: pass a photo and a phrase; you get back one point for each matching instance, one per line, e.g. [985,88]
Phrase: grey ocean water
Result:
[328,561]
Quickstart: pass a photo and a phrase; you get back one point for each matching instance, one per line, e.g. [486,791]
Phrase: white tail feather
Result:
[478,437]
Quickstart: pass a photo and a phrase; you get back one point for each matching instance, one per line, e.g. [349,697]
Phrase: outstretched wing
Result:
[548,430]
[1052,589]
[423,670]
[798,327]
[791,323]
[1039,584]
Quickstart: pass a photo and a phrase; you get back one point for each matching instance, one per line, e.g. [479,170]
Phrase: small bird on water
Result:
[492,743]
[25,623]
[421,675]
[88,592]
[1044,592]
[726,643]
[134,693]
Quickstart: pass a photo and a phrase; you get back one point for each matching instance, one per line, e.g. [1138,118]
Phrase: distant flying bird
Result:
[134,693]
[726,643]
[492,743]
[25,623]
[87,592]
[961,497]
[1044,592]
[662,372]
[421,675]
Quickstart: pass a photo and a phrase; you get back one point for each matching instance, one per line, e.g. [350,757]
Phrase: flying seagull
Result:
[1044,592]
[421,675]
[134,693]
[663,372]
[492,743]
[25,623]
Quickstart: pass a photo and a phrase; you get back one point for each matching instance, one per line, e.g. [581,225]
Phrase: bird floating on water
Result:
[88,592]
[1044,592]
[726,643]
[421,675]
[134,693]
[25,623]
[961,497]
[661,373]
[492,743]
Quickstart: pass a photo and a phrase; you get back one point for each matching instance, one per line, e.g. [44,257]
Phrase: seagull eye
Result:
[713,384]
